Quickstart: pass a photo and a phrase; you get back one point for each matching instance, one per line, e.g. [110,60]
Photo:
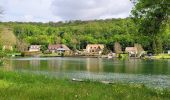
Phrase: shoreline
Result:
[159,56]
[18,85]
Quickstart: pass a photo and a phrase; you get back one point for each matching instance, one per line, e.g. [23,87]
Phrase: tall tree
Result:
[139,49]
[151,16]
[117,48]
[21,45]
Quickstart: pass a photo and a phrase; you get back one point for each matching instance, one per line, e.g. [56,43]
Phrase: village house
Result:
[34,48]
[58,48]
[94,48]
[132,51]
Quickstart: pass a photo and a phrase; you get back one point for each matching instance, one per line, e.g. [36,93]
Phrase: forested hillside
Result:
[77,34]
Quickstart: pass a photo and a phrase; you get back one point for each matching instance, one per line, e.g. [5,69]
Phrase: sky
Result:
[63,10]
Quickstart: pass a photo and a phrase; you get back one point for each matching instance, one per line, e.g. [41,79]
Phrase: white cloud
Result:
[56,10]
[27,10]
[28,18]
[91,9]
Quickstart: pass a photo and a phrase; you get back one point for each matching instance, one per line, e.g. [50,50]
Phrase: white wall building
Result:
[34,48]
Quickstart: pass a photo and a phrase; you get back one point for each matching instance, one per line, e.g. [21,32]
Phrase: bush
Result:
[123,56]
[106,51]
[1,62]
[62,54]
[47,52]
[2,54]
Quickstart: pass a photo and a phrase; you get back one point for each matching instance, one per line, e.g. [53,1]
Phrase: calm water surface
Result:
[153,73]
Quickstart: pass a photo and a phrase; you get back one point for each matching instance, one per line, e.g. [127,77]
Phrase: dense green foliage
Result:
[2,54]
[19,86]
[77,34]
[151,19]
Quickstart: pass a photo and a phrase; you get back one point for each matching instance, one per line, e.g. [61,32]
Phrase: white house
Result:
[94,48]
[34,48]
[132,51]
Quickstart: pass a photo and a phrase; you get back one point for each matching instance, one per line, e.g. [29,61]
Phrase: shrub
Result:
[123,56]
[2,54]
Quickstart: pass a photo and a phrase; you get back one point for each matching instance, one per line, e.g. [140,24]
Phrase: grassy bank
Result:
[162,56]
[22,86]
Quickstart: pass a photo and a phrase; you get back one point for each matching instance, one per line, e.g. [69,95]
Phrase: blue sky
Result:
[62,10]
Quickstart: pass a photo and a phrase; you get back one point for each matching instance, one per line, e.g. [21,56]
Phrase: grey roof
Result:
[61,49]
[58,47]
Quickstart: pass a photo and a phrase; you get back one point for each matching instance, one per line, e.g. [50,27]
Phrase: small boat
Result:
[77,80]
[107,82]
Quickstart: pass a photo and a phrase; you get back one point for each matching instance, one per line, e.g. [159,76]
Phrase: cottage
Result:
[34,48]
[132,51]
[94,48]
[58,48]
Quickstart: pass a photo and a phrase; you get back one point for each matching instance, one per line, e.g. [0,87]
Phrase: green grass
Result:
[50,55]
[24,86]
[162,56]
[16,54]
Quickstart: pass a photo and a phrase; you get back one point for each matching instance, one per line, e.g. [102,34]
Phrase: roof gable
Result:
[58,46]
[95,46]
[130,49]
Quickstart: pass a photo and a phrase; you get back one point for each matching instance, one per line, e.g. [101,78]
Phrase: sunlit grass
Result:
[24,86]
[162,56]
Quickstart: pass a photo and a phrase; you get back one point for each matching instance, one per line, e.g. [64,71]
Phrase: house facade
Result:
[34,48]
[132,51]
[94,48]
[58,48]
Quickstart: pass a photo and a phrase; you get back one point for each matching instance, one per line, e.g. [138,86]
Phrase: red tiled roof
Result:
[57,46]
[130,49]
[95,46]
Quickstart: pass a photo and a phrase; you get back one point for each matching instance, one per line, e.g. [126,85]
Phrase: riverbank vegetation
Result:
[77,34]
[16,85]
[162,56]
[152,19]
[148,26]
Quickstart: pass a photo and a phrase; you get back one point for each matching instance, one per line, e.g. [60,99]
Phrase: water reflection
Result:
[153,73]
[94,65]
[34,64]
[97,65]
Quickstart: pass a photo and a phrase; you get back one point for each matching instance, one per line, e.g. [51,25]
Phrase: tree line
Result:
[148,26]
[77,34]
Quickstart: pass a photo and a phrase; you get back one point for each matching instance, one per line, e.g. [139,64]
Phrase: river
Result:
[152,73]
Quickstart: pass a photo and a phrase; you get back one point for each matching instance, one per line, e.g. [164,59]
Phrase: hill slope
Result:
[7,37]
